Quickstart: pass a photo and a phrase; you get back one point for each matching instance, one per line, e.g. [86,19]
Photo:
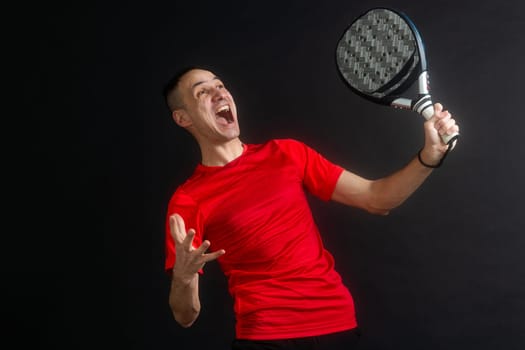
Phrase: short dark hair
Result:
[171,85]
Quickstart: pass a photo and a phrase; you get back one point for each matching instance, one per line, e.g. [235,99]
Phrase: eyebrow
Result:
[203,81]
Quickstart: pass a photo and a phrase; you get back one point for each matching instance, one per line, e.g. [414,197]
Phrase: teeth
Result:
[223,109]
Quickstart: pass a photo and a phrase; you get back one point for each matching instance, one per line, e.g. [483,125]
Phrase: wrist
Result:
[427,164]
[183,279]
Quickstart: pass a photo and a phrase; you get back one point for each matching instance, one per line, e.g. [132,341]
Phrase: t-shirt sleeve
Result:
[319,174]
[181,204]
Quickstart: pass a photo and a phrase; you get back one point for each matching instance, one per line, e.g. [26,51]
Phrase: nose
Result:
[218,94]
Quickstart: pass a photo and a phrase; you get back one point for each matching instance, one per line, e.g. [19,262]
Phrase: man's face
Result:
[208,106]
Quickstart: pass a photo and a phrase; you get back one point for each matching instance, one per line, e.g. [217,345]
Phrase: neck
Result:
[221,154]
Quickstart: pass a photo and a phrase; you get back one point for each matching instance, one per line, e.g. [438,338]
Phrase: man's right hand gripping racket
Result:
[381,56]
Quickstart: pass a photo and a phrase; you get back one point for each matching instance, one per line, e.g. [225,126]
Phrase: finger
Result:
[214,255]
[438,107]
[203,247]
[210,256]
[177,228]
[443,122]
[451,128]
[444,114]
[446,125]
[188,240]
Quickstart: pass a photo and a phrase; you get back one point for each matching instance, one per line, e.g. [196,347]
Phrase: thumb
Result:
[438,107]
[177,228]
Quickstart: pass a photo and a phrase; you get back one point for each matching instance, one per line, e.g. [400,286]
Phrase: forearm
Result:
[184,300]
[382,195]
[389,192]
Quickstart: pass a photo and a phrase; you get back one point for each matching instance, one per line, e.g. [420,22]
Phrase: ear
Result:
[181,118]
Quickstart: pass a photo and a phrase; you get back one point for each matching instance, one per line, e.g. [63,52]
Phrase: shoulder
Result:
[180,197]
[286,147]
[293,149]
[289,144]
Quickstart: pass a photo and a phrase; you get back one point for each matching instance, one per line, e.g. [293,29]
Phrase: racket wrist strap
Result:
[429,165]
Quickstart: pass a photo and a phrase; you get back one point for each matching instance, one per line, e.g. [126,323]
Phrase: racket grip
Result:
[449,139]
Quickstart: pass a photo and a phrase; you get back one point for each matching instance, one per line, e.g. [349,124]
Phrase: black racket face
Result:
[379,55]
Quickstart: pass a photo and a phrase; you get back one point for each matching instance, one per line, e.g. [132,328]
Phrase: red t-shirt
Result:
[280,276]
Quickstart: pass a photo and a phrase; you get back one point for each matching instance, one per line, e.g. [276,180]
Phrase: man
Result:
[249,201]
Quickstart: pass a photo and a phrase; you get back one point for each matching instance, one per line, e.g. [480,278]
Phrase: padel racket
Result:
[380,56]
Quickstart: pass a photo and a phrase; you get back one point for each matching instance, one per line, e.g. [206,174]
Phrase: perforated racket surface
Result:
[381,56]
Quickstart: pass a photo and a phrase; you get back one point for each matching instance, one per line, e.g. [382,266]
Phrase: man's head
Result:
[171,95]
[200,103]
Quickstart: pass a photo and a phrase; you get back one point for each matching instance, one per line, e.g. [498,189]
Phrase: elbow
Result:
[186,320]
[185,315]
[380,208]
[379,211]
[185,323]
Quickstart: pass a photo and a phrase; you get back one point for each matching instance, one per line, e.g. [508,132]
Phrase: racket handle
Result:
[427,111]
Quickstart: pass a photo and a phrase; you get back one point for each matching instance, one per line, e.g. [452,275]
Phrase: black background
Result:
[95,157]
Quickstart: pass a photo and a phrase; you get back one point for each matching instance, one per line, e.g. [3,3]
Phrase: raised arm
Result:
[382,195]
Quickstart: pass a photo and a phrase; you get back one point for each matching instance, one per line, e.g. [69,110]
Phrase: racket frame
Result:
[422,103]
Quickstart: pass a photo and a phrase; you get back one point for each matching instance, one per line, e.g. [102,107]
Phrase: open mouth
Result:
[225,113]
